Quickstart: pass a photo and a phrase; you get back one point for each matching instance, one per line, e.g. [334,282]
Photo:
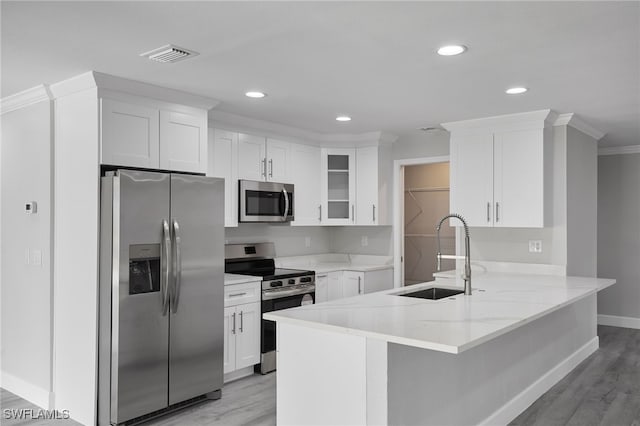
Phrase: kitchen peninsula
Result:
[383,358]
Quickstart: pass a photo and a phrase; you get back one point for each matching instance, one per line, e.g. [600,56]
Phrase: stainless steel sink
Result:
[433,293]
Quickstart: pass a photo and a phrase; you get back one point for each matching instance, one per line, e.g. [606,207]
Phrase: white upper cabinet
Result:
[129,134]
[519,176]
[278,156]
[304,165]
[263,159]
[500,167]
[251,157]
[145,135]
[472,177]
[183,141]
[338,191]
[223,158]
[373,185]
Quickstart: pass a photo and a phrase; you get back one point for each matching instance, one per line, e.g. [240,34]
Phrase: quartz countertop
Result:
[230,279]
[331,262]
[499,303]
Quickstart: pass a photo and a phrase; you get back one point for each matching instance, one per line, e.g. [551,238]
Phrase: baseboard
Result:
[524,399]
[238,374]
[617,321]
[25,390]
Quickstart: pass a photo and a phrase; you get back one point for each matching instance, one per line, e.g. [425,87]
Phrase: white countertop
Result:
[230,279]
[331,262]
[500,303]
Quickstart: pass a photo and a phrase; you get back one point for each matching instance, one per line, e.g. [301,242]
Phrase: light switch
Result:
[36,257]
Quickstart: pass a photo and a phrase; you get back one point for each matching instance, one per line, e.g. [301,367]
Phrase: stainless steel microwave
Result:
[265,201]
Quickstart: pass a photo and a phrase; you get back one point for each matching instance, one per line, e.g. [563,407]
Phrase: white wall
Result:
[582,203]
[26,289]
[76,247]
[619,234]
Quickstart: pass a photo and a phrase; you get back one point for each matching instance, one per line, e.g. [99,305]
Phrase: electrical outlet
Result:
[365,241]
[535,246]
[27,256]
[307,241]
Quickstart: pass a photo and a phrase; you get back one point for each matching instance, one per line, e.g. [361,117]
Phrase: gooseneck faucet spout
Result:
[467,257]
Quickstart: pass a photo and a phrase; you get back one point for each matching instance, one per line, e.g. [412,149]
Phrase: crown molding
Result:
[239,123]
[615,150]
[571,119]
[25,98]
[533,118]
[101,81]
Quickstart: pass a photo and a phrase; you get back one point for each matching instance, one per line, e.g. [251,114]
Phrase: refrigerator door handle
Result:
[164,277]
[178,266]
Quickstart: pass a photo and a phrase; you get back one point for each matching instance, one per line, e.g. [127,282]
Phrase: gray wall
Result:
[349,240]
[582,203]
[288,240]
[26,290]
[619,233]
[418,144]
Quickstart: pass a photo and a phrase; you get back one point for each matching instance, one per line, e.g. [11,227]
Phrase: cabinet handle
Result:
[353,215]
[264,168]
[271,167]
[233,329]
[237,294]
[497,212]
[321,276]
[241,322]
[374,213]
[320,213]
[359,286]
[488,211]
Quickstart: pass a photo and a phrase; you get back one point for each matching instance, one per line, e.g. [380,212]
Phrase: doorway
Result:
[426,201]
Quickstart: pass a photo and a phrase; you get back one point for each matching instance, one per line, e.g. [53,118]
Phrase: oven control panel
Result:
[288,282]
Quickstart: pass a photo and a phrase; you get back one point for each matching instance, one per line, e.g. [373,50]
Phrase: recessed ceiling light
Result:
[343,118]
[451,50]
[515,90]
[256,95]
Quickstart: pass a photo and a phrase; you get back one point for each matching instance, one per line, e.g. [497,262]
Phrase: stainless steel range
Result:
[281,289]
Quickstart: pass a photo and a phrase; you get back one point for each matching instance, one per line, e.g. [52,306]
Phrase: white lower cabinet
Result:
[322,288]
[352,283]
[241,326]
[340,284]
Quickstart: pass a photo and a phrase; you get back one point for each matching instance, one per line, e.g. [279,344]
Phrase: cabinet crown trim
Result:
[94,79]
[526,119]
[25,98]
[571,119]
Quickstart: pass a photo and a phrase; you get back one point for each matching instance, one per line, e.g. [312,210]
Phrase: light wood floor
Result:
[603,390]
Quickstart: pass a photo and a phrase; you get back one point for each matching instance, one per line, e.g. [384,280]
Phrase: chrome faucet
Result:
[467,258]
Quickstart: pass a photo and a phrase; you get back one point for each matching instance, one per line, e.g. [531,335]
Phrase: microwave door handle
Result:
[286,204]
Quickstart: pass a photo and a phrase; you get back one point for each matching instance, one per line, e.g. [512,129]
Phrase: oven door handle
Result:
[277,294]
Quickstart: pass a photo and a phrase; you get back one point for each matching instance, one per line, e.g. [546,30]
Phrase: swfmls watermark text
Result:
[34,414]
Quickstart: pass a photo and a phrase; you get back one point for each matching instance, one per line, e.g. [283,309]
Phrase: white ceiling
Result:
[373,61]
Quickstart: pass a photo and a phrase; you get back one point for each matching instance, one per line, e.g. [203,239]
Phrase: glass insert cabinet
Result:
[338,186]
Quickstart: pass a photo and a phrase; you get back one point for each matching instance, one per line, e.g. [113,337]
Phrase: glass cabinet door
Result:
[339,186]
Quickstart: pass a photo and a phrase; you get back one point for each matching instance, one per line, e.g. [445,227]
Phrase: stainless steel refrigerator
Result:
[161,292]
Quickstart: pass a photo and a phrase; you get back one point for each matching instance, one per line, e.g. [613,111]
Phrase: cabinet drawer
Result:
[237,294]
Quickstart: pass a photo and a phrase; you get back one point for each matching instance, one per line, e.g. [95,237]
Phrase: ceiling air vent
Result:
[169,54]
